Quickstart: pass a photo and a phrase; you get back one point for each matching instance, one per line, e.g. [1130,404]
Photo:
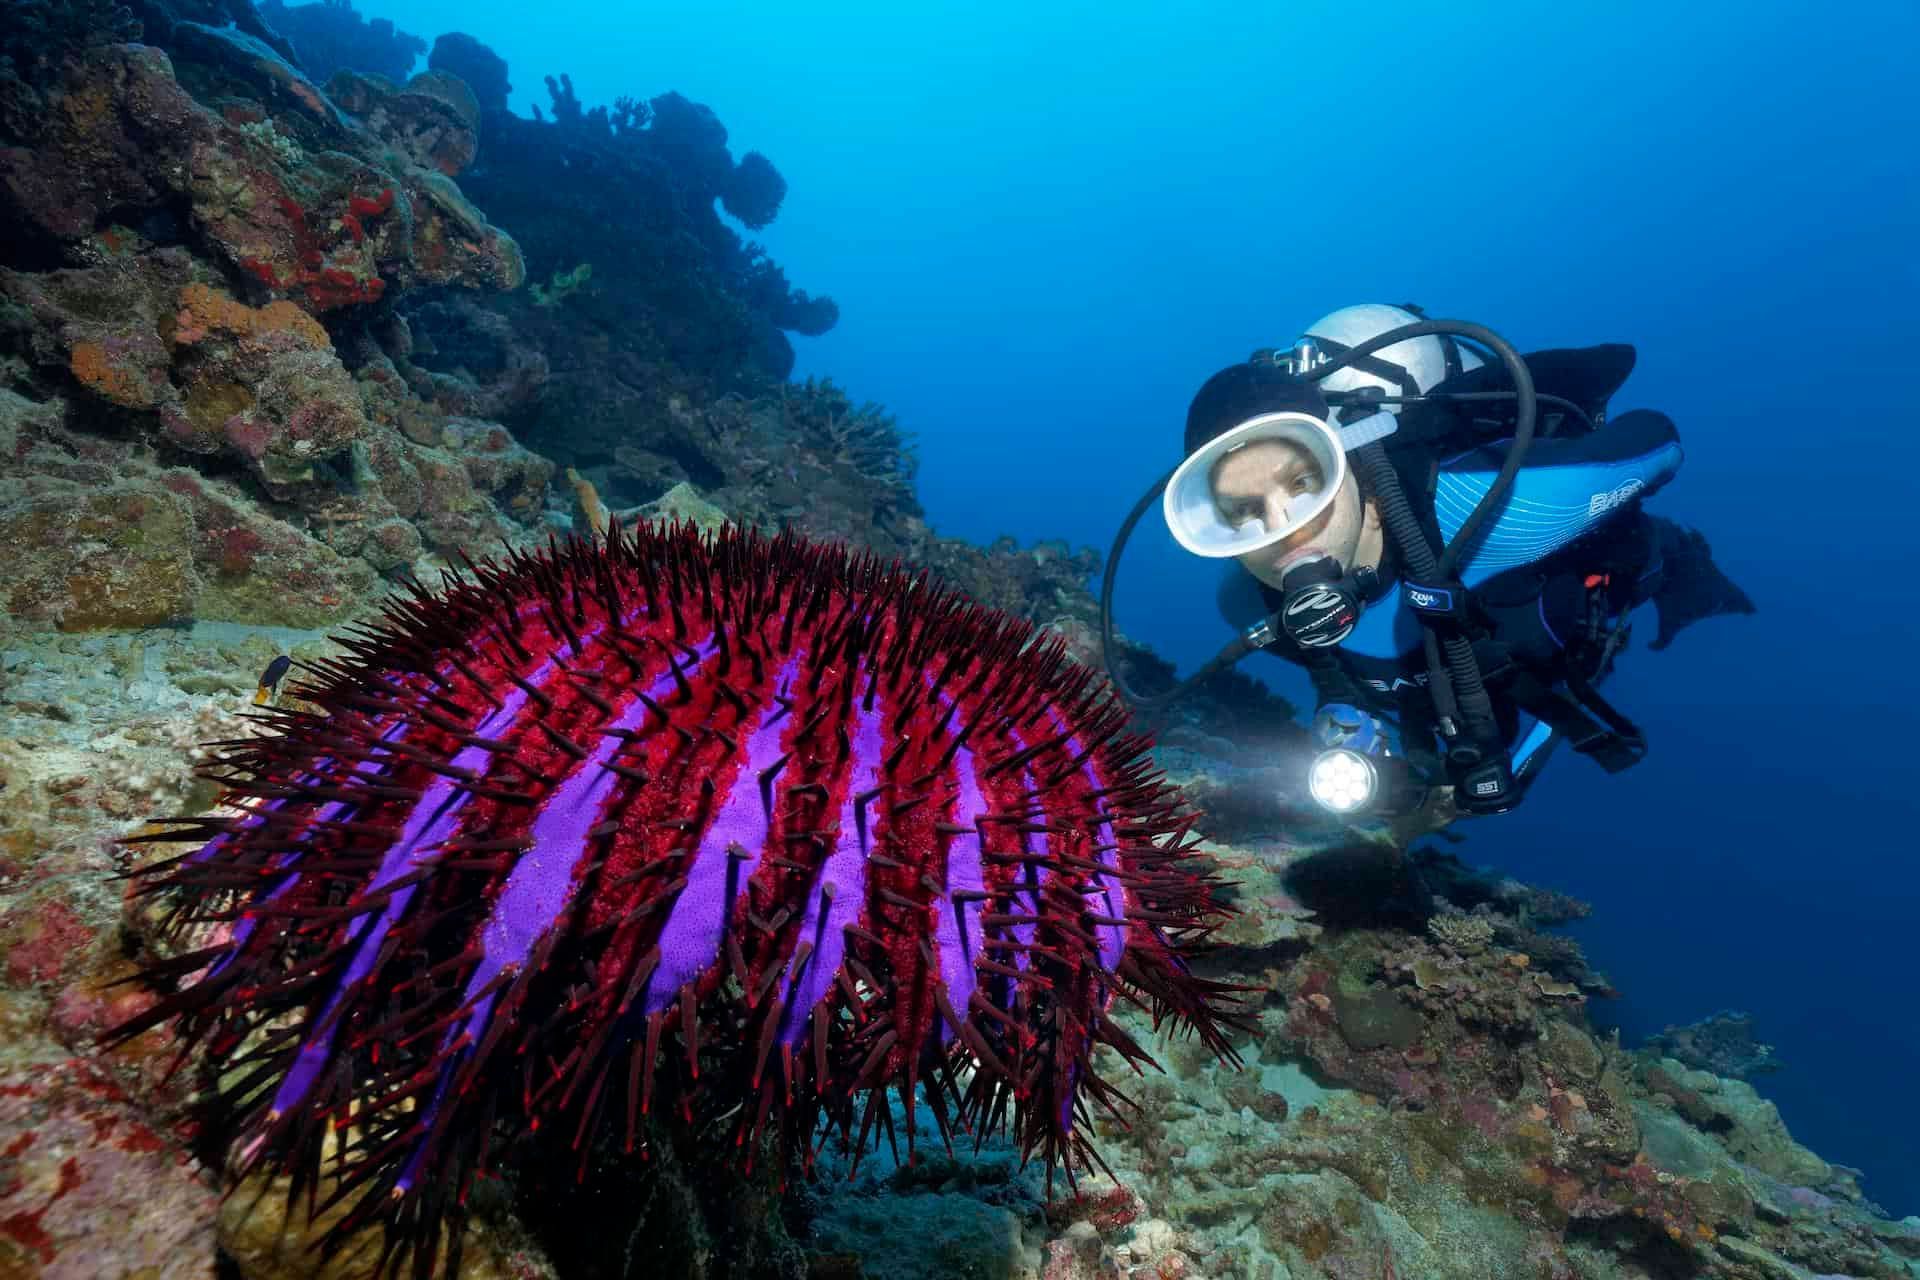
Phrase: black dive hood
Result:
[1476,759]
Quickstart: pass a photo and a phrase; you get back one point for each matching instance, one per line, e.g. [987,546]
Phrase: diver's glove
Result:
[1340,724]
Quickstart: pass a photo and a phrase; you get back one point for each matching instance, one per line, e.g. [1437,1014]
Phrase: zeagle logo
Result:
[1600,503]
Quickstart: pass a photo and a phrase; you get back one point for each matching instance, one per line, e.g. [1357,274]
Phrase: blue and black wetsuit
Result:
[1566,559]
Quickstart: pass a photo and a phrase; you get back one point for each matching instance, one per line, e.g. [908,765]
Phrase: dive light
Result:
[1348,783]
[1356,770]
[1342,781]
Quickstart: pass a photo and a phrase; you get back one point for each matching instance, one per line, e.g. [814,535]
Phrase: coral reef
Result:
[89,1189]
[329,37]
[215,265]
[482,70]
[283,305]
[41,34]
[803,458]
[189,290]
[674,285]
[102,535]
[1724,1044]
[665,361]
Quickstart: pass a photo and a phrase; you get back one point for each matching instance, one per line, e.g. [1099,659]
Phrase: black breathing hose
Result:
[1459,681]
[1466,692]
[1148,705]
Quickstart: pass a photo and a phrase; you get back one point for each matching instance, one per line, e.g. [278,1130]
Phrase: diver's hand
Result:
[1436,813]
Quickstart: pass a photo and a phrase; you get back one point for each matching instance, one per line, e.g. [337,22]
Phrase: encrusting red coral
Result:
[319,277]
[359,207]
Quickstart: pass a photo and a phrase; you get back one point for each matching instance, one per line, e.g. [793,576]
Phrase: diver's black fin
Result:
[1692,586]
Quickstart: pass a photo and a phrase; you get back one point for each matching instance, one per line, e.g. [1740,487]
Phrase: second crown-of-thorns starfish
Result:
[732,825]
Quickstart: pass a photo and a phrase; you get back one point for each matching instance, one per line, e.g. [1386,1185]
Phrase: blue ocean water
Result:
[1045,225]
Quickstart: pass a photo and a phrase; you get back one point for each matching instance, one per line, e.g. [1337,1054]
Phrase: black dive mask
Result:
[1320,604]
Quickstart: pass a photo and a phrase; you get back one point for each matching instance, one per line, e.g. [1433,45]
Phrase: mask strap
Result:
[1375,426]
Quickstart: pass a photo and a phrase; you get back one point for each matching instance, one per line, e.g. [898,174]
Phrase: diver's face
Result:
[1259,480]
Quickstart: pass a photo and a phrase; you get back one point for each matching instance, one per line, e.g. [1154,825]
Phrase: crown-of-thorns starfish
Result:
[735,824]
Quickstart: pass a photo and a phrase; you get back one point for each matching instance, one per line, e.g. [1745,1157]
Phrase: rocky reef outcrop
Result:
[218,265]
[198,241]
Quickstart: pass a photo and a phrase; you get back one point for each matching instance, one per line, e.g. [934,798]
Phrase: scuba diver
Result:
[1448,536]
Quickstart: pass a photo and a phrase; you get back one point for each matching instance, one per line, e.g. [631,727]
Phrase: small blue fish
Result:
[270,681]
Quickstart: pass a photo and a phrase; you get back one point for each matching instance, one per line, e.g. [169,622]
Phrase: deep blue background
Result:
[1045,224]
